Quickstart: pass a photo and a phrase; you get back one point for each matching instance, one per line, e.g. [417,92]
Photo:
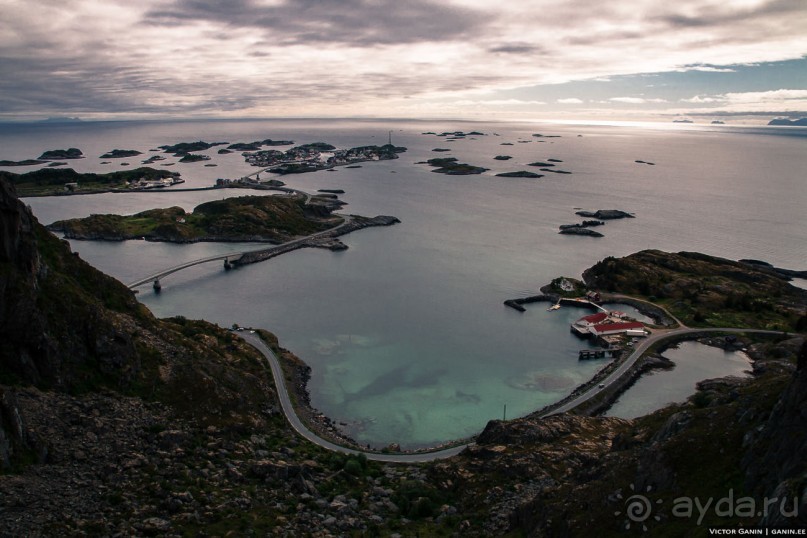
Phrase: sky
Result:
[738,61]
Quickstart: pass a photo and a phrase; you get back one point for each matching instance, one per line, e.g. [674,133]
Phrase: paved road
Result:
[294,420]
[296,423]
[638,351]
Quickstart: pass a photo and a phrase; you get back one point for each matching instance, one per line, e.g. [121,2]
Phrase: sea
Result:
[406,332]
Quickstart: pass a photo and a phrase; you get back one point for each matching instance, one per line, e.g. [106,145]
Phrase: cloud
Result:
[708,69]
[703,99]
[764,113]
[498,102]
[775,96]
[384,57]
[704,14]
[351,22]
[517,48]
[636,100]
[781,97]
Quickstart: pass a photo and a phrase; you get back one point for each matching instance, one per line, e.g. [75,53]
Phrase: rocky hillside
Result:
[704,290]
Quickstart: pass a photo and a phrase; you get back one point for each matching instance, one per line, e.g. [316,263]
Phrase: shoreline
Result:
[660,317]
[649,359]
[671,333]
[256,186]
[297,374]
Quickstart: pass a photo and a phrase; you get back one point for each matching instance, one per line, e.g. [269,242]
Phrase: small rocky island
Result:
[577,229]
[56,154]
[452,167]
[153,159]
[455,135]
[26,162]
[605,214]
[120,154]
[257,145]
[584,228]
[521,173]
[183,148]
[194,158]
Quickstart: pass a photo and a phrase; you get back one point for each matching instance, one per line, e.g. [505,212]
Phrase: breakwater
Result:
[327,239]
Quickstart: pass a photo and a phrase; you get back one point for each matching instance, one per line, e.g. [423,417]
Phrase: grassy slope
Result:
[269,217]
[48,181]
[704,291]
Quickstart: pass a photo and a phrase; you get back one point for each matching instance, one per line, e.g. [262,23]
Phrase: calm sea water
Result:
[406,332]
[694,362]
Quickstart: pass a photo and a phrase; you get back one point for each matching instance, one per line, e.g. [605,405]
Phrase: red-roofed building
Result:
[592,319]
[583,326]
[604,329]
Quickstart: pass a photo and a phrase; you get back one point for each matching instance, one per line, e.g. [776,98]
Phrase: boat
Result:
[555,306]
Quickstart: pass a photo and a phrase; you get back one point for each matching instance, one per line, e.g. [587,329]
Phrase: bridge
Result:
[232,258]
[155,278]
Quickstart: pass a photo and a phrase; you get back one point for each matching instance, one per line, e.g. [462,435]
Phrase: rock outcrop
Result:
[774,462]
[605,214]
[52,334]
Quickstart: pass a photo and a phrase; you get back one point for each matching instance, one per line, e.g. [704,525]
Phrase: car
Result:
[602,385]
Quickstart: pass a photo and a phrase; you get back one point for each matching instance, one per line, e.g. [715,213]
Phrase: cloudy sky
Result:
[736,60]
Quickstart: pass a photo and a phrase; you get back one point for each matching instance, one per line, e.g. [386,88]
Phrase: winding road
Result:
[421,457]
[638,351]
[288,409]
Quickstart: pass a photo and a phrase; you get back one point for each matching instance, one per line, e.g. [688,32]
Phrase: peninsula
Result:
[49,181]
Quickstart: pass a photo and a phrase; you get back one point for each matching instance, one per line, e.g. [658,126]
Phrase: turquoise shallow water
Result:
[406,332]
